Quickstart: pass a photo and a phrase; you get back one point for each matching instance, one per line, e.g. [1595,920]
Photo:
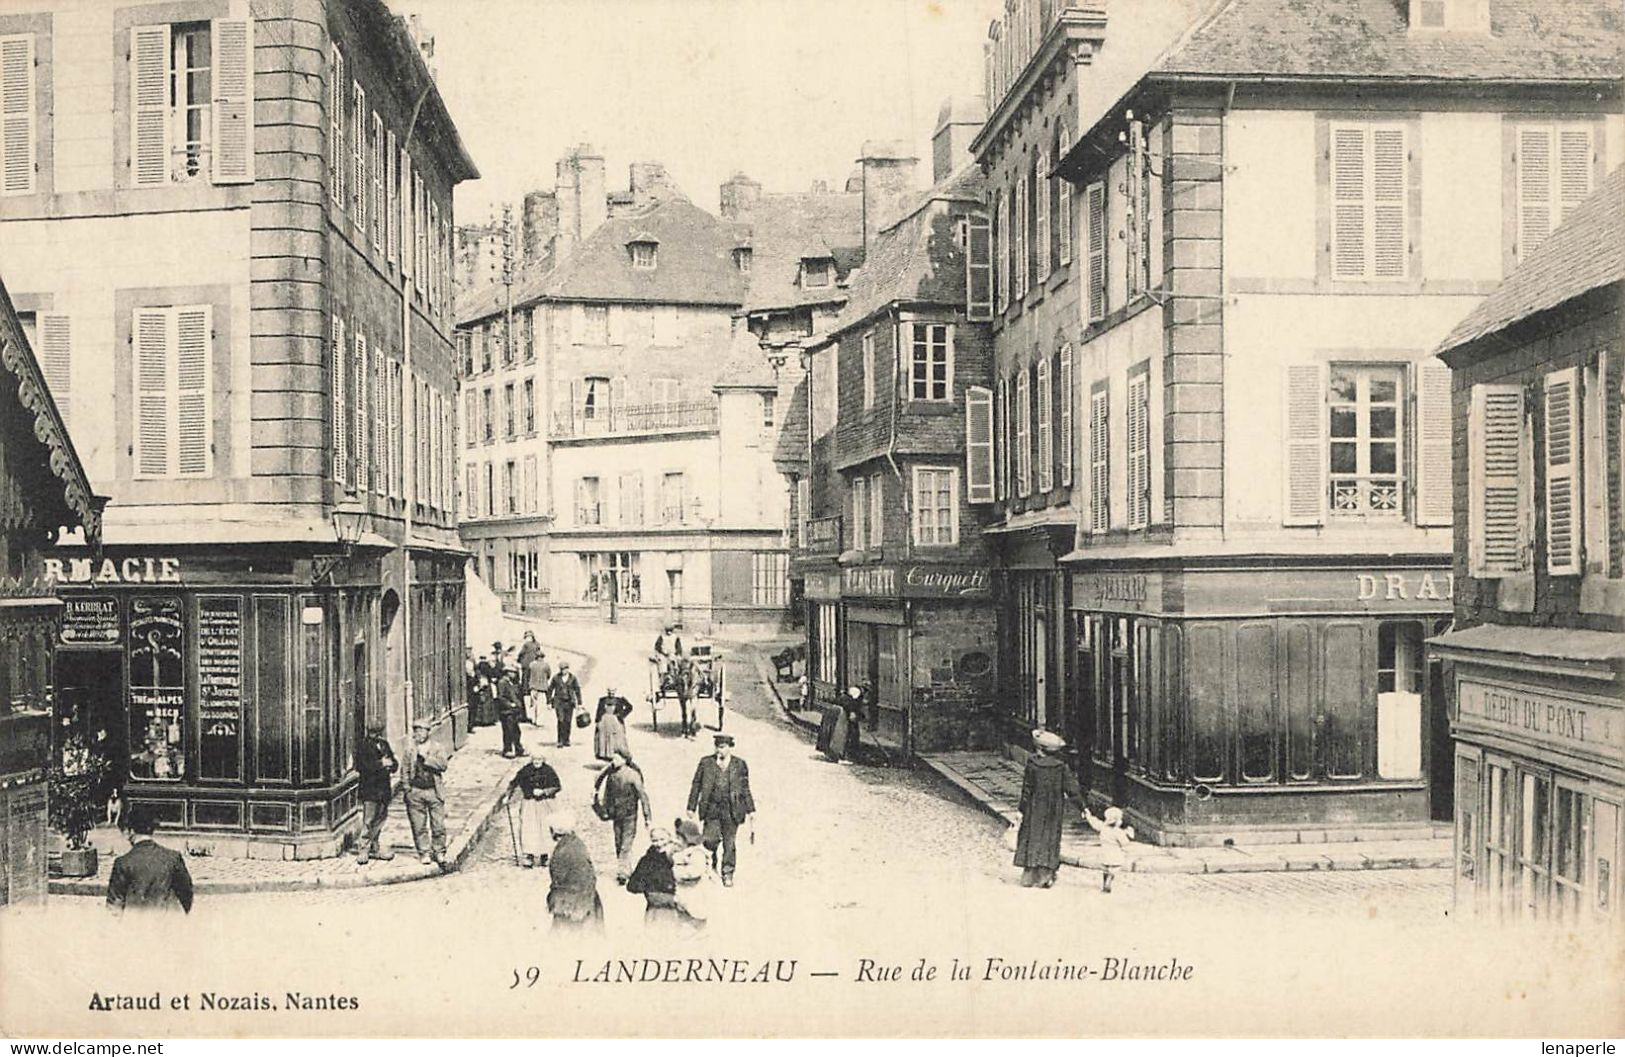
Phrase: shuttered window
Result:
[1024,425]
[1138,415]
[1018,242]
[362,394]
[1001,425]
[1046,427]
[978,445]
[1066,440]
[1365,431]
[18,133]
[358,155]
[1063,205]
[1304,472]
[380,422]
[405,205]
[1043,192]
[1564,530]
[375,162]
[149,105]
[1100,518]
[1370,176]
[392,208]
[1554,166]
[1600,441]
[1096,278]
[340,368]
[192,102]
[1001,252]
[1500,510]
[471,490]
[1434,433]
[336,82]
[978,268]
[173,364]
[233,106]
[55,351]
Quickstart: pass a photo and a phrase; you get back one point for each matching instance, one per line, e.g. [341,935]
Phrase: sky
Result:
[786,91]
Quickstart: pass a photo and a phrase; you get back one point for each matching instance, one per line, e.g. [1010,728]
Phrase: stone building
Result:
[1536,659]
[1273,241]
[235,242]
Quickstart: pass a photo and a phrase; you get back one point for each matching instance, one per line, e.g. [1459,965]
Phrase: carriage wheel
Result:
[654,712]
[720,677]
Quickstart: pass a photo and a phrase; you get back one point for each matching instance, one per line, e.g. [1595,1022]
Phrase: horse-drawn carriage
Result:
[696,675]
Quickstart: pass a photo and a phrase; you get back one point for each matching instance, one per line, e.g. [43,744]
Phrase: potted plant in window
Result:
[76,796]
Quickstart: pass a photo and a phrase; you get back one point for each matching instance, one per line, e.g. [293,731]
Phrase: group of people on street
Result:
[683,866]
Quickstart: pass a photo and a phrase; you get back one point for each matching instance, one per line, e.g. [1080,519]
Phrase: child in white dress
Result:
[1115,839]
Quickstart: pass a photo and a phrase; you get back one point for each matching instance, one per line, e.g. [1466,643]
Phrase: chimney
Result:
[650,183]
[594,200]
[579,187]
[854,181]
[888,176]
[539,225]
[737,196]
[960,118]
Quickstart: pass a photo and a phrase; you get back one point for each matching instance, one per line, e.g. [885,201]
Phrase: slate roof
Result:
[695,265]
[1529,40]
[746,366]
[790,447]
[783,229]
[1585,252]
[916,257]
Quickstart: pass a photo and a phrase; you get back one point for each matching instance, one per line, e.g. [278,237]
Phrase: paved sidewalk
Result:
[476,786]
[994,782]
[762,656]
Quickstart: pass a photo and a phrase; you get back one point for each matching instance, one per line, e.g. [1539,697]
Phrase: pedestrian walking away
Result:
[619,797]
[1046,786]
[510,710]
[572,894]
[149,876]
[529,650]
[538,785]
[1115,839]
[610,733]
[720,798]
[425,802]
[564,694]
[376,765]
[539,674]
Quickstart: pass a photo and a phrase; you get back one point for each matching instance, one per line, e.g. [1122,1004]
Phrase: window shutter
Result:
[341,403]
[1534,168]
[1388,203]
[17,131]
[1001,427]
[1434,434]
[1024,422]
[1067,441]
[1099,461]
[1497,533]
[1563,508]
[233,110]
[1001,253]
[358,147]
[1349,202]
[380,422]
[978,268]
[1063,204]
[150,331]
[1042,186]
[1018,242]
[1574,170]
[363,458]
[392,198]
[1304,468]
[1046,425]
[336,80]
[417,231]
[1138,423]
[149,105]
[56,359]
[405,205]
[193,337]
[1097,251]
[375,158]
[978,445]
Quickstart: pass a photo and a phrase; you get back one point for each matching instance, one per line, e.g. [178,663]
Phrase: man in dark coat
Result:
[720,796]
[1046,786]
[529,650]
[148,876]
[620,796]
[564,693]
[572,894]
[376,764]
[510,710]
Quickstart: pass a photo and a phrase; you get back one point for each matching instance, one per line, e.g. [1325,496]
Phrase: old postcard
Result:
[811,518]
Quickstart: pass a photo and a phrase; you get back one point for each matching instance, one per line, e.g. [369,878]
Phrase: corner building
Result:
[228,226]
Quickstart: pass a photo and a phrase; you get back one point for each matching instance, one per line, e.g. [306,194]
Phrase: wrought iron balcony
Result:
[636,418]
[823,535]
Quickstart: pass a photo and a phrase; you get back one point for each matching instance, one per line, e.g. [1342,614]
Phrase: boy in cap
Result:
[425,805]
[720,796]
[375,763]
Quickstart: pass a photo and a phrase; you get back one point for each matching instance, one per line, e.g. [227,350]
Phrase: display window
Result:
[157,689]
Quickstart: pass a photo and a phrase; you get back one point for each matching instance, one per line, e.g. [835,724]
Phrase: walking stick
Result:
[513,833]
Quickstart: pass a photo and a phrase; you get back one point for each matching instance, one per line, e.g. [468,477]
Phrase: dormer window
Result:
[1468,16]
[742,259]
[817,272]
[643,253]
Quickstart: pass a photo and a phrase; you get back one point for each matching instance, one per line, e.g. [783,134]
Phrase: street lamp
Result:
[348,518]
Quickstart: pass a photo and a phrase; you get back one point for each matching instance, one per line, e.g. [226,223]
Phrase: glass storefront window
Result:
[1499,815]
[1343,721]
[1571,824]
[157,689]
[1255,685]
[1533,838]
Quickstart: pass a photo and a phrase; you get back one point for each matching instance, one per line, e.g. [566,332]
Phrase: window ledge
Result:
[1602,595]
[1059,276]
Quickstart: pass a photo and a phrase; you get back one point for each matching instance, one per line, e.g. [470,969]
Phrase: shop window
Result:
[1604,853]
[1571,823]
[1342,711]
[1467,815]
[271,689]
[770,578]
[157,689]
[1534,840]
[1255,688]
[1400,662]
[220,687]
[824,644]
[313,652]
[1205,643]
[1500,815]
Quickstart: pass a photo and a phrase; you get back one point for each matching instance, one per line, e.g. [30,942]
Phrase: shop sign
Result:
[1534,715]
[133,570]
[1404,587]
[1118,591]
[90,621]
[870,581]
[220,684]
[916,581]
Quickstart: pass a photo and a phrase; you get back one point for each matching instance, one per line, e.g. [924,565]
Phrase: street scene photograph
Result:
[812,519]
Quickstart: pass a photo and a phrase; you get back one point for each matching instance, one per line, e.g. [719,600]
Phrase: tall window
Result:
[18,151]
[589,511]
[487,339]
[595,402]
[769,578]
[488,417]
[672,510]
[191,102]
[509,415]
[869,369]
[1370,181]
[527,335]
[1095,262]
[174,361]
[936,506]
[876,510]
[1024,425]
[530,406]
[595,324]
[860,513]
[931,362]
[1046,426]
[1021,258]
[1063,203]
[1099,461]
[1043,194]
[1554,175]
[489,488]
[510,487]
[1138,426]
[1364,410]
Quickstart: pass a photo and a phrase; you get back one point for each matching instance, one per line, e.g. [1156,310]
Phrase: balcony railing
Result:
[588,515]
[824,535]
[636,418]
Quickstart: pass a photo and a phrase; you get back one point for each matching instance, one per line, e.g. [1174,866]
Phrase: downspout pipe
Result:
[410,483]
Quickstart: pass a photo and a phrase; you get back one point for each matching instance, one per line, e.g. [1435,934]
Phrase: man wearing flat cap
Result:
[720,797]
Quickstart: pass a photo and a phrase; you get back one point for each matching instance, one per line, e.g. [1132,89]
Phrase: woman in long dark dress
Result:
[838,728]
[1046,786]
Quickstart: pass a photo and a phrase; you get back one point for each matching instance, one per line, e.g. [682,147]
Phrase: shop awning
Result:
[1503,644]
